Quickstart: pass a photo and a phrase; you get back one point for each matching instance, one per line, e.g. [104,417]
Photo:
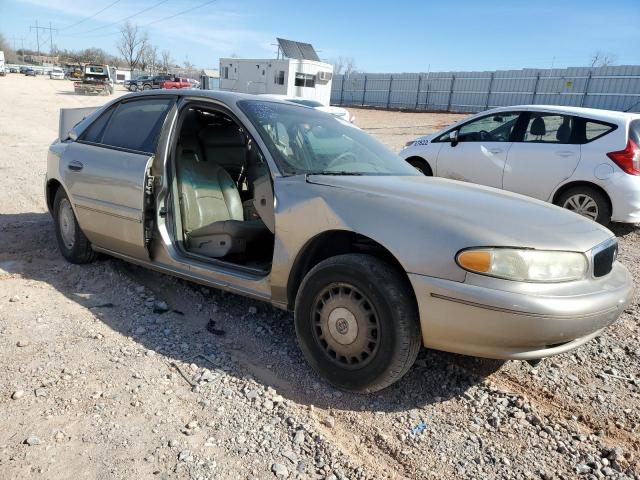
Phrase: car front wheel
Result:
[421,165]
[588,202]
[357,322]
[73,244]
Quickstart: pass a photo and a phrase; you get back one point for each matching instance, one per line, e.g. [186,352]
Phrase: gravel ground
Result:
[112,371]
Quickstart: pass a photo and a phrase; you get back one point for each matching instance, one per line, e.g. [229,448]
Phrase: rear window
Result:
[587,130]
[634,131]
[133,125]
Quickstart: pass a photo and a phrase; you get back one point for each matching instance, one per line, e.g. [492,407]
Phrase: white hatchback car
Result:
[582,159]
[339,112]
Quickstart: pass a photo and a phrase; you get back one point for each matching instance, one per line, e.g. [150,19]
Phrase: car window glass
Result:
[94,132]
[594,130]
[548,128]
[303,140]
[492,128]
[634,131]
[135,125]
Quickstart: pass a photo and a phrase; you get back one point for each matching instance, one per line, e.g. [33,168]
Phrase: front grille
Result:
[603,260]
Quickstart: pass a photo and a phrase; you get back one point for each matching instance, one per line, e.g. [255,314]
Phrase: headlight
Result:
[524,265]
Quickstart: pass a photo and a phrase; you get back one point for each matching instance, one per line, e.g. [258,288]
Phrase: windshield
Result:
[306,103]
[303,140]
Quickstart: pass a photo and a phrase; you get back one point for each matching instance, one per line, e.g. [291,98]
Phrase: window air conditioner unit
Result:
[324,76]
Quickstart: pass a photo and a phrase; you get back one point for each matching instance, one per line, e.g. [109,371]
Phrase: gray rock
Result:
[280,470]
[583,469]
[185,456]
[17,394]
[33,440]
[329,422]
[298,438]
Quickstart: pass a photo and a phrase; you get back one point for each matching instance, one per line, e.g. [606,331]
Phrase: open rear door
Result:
[69,118]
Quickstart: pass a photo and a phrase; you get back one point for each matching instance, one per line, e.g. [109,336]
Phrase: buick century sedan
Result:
[282,203]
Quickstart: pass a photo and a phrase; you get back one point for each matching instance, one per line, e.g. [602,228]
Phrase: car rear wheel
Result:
[357,322]
[588,202]
[73,244]
[421,165]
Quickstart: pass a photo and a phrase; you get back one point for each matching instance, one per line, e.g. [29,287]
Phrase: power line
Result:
[180,13]
[91,16]
[122,20]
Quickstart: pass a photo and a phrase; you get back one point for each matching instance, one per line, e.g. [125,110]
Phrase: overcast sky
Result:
[397,36]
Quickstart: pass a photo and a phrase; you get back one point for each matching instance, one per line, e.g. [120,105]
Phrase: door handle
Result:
[496,150]
[75,165]
[565,153]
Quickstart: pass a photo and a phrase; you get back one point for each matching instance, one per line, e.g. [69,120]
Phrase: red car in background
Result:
[177,83]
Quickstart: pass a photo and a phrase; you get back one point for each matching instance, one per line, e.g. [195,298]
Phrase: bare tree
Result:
[345,65]
[132,44]
[149,59]
[166,61]
[603,59]
[188,65]
[338,65]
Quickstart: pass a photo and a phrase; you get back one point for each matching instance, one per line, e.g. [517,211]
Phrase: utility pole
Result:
[37,29]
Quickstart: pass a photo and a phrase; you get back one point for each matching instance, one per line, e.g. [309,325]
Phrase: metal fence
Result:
[611,88]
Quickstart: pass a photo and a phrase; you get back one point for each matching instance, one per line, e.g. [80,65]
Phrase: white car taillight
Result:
[628,159]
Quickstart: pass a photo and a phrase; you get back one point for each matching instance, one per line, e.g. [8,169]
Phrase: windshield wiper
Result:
[333,172]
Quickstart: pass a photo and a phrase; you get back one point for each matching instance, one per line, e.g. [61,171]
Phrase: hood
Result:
[467,214]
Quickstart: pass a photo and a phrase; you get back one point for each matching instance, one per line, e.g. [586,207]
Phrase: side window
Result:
[593,130]
[279,78]
[305,80]
[136,124]
[94,132]
[548,128]
[492,128]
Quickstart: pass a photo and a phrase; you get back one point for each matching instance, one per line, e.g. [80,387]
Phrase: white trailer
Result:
[2,67]
[300,73]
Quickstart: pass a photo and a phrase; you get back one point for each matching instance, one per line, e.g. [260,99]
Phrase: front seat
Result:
[538,128]
[212,213]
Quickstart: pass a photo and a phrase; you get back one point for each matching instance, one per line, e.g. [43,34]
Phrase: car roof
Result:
[579,111]
[222,96]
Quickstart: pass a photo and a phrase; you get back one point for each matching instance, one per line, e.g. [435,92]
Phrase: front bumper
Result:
[487,322]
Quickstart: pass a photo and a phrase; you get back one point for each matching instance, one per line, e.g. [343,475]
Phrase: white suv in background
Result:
[582,159]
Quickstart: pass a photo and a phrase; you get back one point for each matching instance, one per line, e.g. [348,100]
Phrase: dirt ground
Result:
[111,371]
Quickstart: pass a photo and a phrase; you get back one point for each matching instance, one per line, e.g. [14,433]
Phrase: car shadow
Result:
[623,229]
[216,330]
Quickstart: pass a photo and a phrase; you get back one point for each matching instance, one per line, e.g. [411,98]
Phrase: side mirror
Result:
[453,138]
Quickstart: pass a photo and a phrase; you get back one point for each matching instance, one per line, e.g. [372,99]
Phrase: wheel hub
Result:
[67,223]
[343,326]
[582,205]
[346,325]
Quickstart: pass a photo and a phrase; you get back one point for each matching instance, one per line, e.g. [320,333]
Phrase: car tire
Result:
[146,87]
[133,88]
[421,165]
[73,244]
[360,307]
[588,202]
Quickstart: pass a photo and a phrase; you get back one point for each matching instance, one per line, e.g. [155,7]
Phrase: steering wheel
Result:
[346,157]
